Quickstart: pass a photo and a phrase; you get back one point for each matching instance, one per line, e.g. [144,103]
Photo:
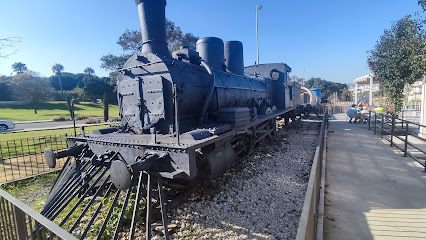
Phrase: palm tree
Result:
[57,70]
[89,71]
[346,94]
[19,67]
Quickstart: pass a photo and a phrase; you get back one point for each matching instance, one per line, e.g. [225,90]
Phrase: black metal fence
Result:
[18,222]
[402,134]
[21,158]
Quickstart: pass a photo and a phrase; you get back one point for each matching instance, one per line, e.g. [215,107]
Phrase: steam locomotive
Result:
[186,116]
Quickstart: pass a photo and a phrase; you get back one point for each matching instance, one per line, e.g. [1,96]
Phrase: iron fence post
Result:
[392,130]
[383,126]
[406,139]
[375,122]
[20,224]
[369,120]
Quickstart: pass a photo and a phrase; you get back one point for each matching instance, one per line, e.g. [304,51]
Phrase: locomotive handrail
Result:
[144,64]
[209,93]
[18,221]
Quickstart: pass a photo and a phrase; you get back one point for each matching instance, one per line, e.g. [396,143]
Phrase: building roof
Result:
[365,79]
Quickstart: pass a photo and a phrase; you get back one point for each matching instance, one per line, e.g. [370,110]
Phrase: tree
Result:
[19,67]
[31,90]
[176,39]
[398,58]
[5,89]
[422,3]
[346,95]
[112,62]
[57,69]
[96,87]
[89,71]
[131,41]
[66,81]
[4,92]
[327,87]
[8,43]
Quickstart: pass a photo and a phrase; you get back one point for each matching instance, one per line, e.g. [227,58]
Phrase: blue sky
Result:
[316,38]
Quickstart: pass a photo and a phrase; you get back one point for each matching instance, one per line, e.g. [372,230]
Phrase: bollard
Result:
[369,120]
[392,130]
[383,126]
[375,122]
[406,140]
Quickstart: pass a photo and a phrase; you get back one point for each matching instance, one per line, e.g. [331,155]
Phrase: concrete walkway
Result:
[372,192]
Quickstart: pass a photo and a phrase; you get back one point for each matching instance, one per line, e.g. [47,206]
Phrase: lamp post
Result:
[258,7]
[422,109]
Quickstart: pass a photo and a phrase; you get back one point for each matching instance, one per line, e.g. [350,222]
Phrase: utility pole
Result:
[258,7]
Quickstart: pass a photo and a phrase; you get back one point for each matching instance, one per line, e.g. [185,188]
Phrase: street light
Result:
[258,7]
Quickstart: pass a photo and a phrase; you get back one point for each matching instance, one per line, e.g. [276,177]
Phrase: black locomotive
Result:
[186,116]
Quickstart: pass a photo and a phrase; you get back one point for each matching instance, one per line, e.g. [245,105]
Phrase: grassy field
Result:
[32,191]
[52,110]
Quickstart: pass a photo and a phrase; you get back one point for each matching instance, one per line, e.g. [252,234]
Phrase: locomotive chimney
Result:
[152,18]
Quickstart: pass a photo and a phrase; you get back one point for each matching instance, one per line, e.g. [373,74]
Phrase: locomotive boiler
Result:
[186,116]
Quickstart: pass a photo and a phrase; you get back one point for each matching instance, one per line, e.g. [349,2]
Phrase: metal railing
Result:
[18,222]
[401,134]
[310,224]
[22,158]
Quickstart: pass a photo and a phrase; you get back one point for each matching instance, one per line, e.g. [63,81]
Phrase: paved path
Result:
[52,125]
[38,125]
[372,192]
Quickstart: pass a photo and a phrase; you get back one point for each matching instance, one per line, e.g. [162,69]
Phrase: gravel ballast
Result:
[259,198]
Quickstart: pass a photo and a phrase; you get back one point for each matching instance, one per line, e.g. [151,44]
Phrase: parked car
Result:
[4,125]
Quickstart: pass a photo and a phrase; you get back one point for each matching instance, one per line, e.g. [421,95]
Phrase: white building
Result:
[366,83]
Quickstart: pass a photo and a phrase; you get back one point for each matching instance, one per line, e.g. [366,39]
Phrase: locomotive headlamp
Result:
[275,75]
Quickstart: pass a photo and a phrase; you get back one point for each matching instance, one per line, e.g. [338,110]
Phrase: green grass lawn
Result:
[52,110]
[23,189]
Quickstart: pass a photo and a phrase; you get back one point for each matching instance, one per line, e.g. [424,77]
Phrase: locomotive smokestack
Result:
[152,18]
